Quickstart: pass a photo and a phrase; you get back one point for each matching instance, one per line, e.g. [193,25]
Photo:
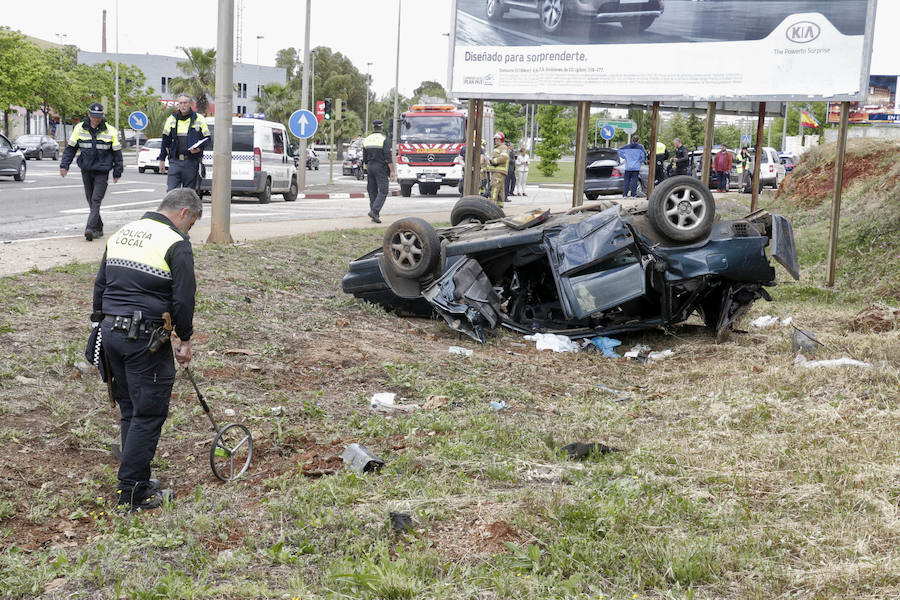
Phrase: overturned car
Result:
[596,270]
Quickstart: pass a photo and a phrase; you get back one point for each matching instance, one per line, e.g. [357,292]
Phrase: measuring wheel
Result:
[231,452]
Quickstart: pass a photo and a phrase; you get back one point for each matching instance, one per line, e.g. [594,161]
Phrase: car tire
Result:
[682,209]
[265,196]
[553,13]
[56,155]
[637,24]
[40,155]
[291,194]
[493,10]
[20,176]
[475,209]
[142,169]
[411,247]
[406,190]
[592,195]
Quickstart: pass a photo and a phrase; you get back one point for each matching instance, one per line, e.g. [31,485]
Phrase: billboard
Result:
[879,106]
[762,50]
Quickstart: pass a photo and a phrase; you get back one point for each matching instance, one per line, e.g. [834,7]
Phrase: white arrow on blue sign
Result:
[303,123]
[745,140]
[607,132]
[137,120]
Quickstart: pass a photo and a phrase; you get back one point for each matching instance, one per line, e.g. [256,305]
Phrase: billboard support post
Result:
[654,126]
[787,108]
[836,203]
[760,119]
[473,152]
[479,137]
[708,142]
[581,138]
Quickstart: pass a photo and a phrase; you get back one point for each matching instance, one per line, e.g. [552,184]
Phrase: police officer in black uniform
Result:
[101,152]
[682,159]
[183,142]
[146,271]
[380,166]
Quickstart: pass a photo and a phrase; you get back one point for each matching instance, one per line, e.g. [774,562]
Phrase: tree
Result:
[289,60]
[510,119]
[556,131]
[431,89]
[277,102]
[21,71]
[336,77]
[696,131]
[199,79]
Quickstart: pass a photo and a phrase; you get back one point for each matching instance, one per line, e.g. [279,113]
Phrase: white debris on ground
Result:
[459,350]
[552,341]
[836,362]
[767,321]
[643,352]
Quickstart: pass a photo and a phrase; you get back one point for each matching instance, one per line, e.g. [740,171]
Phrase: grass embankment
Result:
[740,475]
[565,174]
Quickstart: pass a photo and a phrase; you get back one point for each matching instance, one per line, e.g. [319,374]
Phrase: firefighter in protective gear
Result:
[146,272]
[498,168]
[380,167]
[184,137]
[100,153]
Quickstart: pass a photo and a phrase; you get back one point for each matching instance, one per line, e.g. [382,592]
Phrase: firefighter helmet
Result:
[500,135]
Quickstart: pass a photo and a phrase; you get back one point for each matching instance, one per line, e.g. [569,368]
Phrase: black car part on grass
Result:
[597,270]
[232,448]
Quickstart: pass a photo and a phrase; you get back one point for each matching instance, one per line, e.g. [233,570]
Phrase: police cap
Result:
[95,109]
[377,123]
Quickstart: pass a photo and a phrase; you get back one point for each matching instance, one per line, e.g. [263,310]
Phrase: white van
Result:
[261,163]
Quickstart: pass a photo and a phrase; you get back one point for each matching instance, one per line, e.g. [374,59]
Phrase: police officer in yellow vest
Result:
[100,153]
[380,168]
[499,166]
[147,270]
[184,137]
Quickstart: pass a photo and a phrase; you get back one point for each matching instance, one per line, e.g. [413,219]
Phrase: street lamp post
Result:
[259,37]
[396,128]
[366,124]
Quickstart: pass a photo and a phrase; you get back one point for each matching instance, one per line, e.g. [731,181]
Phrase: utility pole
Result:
[366,123]
[304,103]
[397,86]
[220,227]
[784,128]
[117,65]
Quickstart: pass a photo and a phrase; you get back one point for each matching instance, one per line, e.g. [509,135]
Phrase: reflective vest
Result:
[499,159]
[142,246]
[190,130]
[374,149]
[97,148]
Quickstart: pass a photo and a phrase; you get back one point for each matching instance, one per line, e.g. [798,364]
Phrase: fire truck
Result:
[428,146]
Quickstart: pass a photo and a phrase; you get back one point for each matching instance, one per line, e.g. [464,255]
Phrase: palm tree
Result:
[199,78]
[277,102]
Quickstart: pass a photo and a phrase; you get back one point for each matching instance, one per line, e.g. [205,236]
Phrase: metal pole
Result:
[397,86]
[366,124]
[784,127]
[708,142]
[479,136]
[760,119]
[654,126]
[581,136]
[117,65]
[331,154]
[836,204]
[304,103]
[472,153]
[220,227]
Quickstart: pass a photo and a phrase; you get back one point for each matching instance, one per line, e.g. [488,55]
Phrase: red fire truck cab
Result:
[429,142]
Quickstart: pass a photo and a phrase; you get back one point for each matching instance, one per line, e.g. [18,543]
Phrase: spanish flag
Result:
[807,120]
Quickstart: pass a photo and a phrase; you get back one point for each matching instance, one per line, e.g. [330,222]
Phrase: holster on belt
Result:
[160,336]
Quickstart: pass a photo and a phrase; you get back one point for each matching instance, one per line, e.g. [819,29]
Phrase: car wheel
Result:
[638,23]
[592,195]
[317,166]
[291,194]
[20,176]
[494,10]
[56,155]
[474,209]
[40,155]
[142,169]
[406,190]
[682,209]
[266,195]
[553,13]
[411,247]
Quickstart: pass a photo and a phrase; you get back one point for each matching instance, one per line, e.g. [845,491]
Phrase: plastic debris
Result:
[359,459]
[581,450]
[382,399]
[643,353]
[498,405]
[803,341]
[606,345]
[552,341]
[767,321]
[836,362]
[229,412]
[459,350]
[620,395]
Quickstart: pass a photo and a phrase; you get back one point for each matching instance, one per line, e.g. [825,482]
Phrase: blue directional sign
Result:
[303,123]
[607,132]
[745,139]
[137,120]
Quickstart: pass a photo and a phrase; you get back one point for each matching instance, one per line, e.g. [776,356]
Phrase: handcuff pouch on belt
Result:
[160,335]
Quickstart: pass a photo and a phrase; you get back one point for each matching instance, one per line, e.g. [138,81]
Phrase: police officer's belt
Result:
[124,324]
[187,157]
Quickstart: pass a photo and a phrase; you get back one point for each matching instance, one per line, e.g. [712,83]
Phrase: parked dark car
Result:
[38,146]
[605,174]
[595,270]
[12,161]
[634,16]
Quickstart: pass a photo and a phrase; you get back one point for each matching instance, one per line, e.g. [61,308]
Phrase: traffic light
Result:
[327,109]
[338,109]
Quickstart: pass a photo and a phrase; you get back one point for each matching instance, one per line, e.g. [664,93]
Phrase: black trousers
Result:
[183,173]
[377,186]
[95,184]
[510,183]
[142,388]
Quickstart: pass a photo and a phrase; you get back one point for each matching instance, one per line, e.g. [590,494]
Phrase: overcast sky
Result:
[363,30]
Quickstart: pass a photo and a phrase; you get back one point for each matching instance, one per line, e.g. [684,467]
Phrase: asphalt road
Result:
[46,205]
[681,21]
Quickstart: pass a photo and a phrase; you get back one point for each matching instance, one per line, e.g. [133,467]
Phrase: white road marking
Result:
[135,190]
[76,211]
[54,187]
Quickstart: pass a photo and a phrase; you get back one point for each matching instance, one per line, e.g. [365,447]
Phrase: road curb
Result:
[338,196]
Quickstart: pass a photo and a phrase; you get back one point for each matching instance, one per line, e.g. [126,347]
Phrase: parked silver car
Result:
[12,161]
[38,146]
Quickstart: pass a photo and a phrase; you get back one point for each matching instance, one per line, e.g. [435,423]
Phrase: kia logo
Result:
[803,32]
[431,158]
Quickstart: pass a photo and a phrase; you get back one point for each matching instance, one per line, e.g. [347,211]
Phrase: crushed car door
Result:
[596,264]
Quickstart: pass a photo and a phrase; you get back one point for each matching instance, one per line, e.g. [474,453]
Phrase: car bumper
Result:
[604,186]
[239,187]
[608,11]
[31,153]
